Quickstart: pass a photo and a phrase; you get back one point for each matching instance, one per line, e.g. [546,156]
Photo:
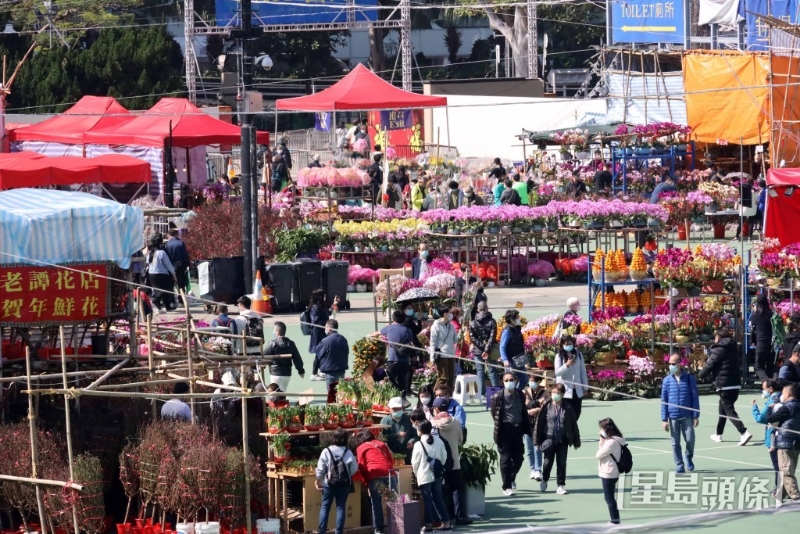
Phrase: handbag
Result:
[547,446]
[521,360]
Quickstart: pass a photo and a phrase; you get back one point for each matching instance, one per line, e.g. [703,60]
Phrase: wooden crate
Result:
[308,512]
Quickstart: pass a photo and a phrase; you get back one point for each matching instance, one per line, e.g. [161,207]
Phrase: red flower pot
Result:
[313,428]
[714,287]
[330,426]
[274,430]
[719,231]
[365,423]
[637,353]
[294,429]
[681,233]
[545,364]
[347,424]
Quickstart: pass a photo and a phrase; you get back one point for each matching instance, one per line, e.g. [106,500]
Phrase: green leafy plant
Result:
[280,444]
[313,415]
[478,464]
[290,243]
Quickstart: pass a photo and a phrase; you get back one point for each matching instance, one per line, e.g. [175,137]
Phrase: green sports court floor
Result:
[727,475]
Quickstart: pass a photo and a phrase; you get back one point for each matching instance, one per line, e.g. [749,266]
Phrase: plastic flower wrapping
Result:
[442,283]
[332,177]
[359,275]
[641,366]
[389,288]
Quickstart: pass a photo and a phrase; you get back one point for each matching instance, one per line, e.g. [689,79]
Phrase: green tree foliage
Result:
[73,18]
[299,55]
[572,29]
[144,63]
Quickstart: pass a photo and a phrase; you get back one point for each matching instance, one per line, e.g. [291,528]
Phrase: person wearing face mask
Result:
[723,364]
[536,396]
[786,416]
[412,323]
[443,391]
[608,454]
[511,423]
[471,199]
[455,196]
[442,346]
[280,370]
[480,296]
[419,264]
[771,391]
[399,341]
[398,431]
[484,349]
[680,411]
[556,429]
[425,402]
[790,370]
[571,371]
[512,348]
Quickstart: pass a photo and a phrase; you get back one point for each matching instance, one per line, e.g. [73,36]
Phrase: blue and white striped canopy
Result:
[54,227]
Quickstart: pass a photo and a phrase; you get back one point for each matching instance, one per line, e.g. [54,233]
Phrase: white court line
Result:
[707,457]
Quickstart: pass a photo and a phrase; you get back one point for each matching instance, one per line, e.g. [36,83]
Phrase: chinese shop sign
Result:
[36,295]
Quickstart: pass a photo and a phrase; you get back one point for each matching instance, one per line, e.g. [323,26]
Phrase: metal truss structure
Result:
[194,25]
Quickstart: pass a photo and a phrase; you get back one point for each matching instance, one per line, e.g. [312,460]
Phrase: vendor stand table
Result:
[300,513]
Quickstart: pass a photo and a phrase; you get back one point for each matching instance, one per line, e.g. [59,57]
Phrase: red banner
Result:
[406,142]
[39,295]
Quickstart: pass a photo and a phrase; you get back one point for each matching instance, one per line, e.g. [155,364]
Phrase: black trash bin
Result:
[306,278]
[225,279]
[334,281]
[279,278]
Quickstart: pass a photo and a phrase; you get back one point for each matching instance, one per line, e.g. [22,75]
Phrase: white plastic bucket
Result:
[184,528]
[212,527]
[268,526]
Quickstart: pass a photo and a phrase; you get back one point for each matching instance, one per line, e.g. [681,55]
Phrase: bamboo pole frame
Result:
[34,447]
[185,362]
[43,481]
[68,422]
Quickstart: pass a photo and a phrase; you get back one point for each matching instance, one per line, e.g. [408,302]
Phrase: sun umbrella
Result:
[417,294]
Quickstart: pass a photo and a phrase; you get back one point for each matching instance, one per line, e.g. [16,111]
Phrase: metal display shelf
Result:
[640,161]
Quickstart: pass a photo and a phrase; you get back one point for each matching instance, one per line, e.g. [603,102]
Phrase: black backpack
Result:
[254,328]
[338,476]
[625,462]
[436,466]
[305,323]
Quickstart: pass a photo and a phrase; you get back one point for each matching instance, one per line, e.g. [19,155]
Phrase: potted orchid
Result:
[675,267]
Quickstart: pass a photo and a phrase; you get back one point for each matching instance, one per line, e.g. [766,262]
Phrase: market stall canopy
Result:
[53,227]
[190,128]
[362,90]
[29,169]
[89,113]
[783,205]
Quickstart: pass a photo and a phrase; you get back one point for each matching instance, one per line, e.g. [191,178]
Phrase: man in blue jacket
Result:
[680,410]
[331,354]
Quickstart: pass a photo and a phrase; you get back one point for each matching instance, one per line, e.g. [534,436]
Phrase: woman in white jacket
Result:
[610,451]
[426,450]
[442,346]
[570,369]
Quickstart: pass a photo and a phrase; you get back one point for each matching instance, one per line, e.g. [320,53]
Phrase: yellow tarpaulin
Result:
[727,96]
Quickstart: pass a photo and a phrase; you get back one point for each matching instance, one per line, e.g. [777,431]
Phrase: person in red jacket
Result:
[376,467]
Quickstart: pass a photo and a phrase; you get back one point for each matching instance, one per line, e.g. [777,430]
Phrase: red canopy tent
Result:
[361,90]
[89,113]
[190,128]
[28,169]
[782,210]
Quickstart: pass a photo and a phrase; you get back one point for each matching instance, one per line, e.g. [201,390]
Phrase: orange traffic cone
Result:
[258,304]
